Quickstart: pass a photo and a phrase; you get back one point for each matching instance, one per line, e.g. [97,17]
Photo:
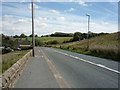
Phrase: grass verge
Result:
[10,58]
[116,58]
[106,46]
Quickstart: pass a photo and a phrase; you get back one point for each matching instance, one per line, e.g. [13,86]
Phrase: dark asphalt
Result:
[77,73]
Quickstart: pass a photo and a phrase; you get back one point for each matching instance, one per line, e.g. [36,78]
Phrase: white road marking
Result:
[99,65]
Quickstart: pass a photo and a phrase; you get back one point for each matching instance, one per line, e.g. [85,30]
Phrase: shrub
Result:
[104,53]
[53,42]
[26,47]
[6,50]
[38,42]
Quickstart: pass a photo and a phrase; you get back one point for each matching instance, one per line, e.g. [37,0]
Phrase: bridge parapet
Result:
[8,77]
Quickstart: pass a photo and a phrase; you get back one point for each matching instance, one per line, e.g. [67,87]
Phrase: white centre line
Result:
[99,65]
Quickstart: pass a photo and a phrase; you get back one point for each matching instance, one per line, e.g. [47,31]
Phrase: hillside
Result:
[105,46]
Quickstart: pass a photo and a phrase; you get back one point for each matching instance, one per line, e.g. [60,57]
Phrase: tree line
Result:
[77,36]
[24,36]
[59,34]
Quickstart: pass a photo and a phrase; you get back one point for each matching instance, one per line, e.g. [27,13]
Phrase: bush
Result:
[53,42]
[6,50]
[38,43]
[110,54]
[26,47]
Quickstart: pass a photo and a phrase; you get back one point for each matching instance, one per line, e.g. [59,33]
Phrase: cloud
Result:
[54,11]
[60,18]
[71,9]
[37,0]
[48,21]
[12,25]
[83,3]
[35,6]
[42,18]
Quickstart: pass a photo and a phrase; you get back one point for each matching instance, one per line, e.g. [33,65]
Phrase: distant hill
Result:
[106,46]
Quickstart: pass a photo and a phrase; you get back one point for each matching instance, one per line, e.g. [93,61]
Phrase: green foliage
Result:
[9,43]
[16,36]
[6,50]
[38,42]
[53,42]
[77,36]
[10,58]
[105,46]
[81,36]
[26,47]
[43,40]
[36,35]
[60,34]
[23,35]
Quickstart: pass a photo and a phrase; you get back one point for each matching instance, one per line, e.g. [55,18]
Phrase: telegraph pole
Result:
[33,37]
[88,30]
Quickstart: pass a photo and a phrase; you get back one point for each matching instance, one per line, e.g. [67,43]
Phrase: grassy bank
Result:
[103,46]
[0,64]
[10,58]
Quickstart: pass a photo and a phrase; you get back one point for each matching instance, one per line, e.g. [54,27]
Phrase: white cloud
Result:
[42,18]
[105,23]
[83,3]
[60,18]
[12,25]
[71,9]
[37,0]
[43,24]
[54,11]
[35,6]
[22,20]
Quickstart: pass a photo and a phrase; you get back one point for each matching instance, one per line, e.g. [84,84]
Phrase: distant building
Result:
[22,43]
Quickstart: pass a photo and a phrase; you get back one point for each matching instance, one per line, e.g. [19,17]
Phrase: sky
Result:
[50,17]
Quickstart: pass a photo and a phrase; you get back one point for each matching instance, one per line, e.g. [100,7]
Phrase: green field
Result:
[103,46]
[47,39]
[10,58]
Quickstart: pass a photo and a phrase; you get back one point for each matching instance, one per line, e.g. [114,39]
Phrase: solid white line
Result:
[99,65]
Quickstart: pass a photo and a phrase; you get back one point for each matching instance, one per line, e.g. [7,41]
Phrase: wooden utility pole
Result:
[33,37]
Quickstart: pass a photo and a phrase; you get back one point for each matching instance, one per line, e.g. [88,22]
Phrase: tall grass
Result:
[106,46]
[10,58]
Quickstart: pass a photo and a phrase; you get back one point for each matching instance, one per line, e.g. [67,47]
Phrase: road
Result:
[54,68]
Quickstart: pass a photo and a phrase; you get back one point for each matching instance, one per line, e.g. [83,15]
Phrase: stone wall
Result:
[9,76]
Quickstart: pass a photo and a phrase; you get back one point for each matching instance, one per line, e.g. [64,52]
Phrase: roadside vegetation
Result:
[46,40]
[12,51]
[105,46]
[9,59]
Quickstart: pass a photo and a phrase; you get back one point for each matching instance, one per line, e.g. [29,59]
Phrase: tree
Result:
[3,36]
[23,35]
[30,35]
[77,36]
[36,35]
[16,36]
